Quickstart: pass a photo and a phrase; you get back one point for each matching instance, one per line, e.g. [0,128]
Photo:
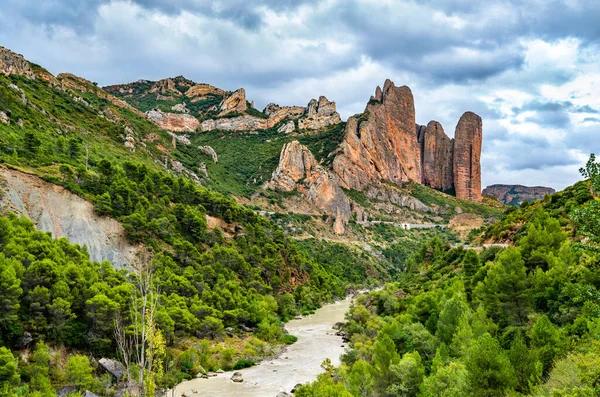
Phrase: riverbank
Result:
[299,363]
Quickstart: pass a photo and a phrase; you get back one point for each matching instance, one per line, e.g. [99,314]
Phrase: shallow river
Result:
[300,363]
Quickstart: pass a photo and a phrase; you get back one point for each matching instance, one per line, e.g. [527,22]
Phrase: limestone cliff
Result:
[437,152]
[177,122]
[319,114]
[64,214]
[235,103]
[299,170]
[516,194]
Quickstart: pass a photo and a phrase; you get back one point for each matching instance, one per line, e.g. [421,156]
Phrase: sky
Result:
[529,68]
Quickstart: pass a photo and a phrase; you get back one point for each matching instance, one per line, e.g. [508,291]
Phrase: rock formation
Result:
[467,154]
[177,122]
[516,194]
[235,103]
[200,91]
[385,144]
[437,151]
[298,170]
[13,63]
[211,152]
[319,114]
[239,123]
[382,143]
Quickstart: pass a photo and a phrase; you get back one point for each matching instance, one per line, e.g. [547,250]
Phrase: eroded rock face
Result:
[211,152]
[381,144]
[240,123]
[467,155]
[437,151]
[319,114]
[13,63]
[236,102]
[299,170]
[516,194]
[287,127]
[177,122]
[199,91]
[54,209]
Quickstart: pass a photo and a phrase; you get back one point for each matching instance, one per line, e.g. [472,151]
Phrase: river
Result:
[300,363]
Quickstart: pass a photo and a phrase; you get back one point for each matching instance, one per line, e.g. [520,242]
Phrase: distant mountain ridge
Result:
[516,194]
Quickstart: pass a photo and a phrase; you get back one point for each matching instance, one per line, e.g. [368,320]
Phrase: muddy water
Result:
[300,363]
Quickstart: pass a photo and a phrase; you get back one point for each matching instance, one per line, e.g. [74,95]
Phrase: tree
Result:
[74,148]
[384,356]
[448,381]
[360,381]
[32,142]
[453,310]
[40,370]
[79,372]
[471,266]
[10,293]
[103,204]
[489,370]
[592,171]
[528,369]
[9,373]
[505,292]
[549,341]
[588,216]
[409,373]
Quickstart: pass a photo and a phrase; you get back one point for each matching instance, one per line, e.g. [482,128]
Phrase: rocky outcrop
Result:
[467,155]
[235,103]
[4,117]
[287,127]
[211,152]
[239,123]
[319,115]
[13,63]
[177,122]
[113,367]
[165,87]
[298,170]
[382,143]
[200,91]
[64,214]
[516,194]
[437,151]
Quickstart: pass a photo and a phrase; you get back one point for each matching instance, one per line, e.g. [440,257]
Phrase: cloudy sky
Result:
[530,68]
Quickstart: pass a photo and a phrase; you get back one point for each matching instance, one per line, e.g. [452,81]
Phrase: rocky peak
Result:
[319,114]
[236,102]
[467,155]
[202,90]
[13,63]
[165,87]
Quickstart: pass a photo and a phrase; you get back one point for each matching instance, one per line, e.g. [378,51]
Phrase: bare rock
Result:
[299,170]
[237,377]
[181,138]
[382,143]
[165,87]
[319,114]
[240,123]
[180,107]
[437,157]
[114,367]
[287,127]
[467,155]
[200,91]
[13,63]
[176,122]
[236,102]
[4,117]
[210,151]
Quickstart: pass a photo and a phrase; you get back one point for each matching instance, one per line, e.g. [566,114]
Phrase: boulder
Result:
[4,118]
[467,155]
[237,377]
[114,367]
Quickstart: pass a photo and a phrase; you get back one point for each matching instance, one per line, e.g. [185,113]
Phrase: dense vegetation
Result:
[524,320]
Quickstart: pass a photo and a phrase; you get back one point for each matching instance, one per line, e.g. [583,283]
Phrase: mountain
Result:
[516,194]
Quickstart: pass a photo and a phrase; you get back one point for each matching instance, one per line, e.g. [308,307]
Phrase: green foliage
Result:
[79,372]
[489,370]
[289,339]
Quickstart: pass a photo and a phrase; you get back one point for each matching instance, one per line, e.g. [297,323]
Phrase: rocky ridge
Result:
[516,194]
